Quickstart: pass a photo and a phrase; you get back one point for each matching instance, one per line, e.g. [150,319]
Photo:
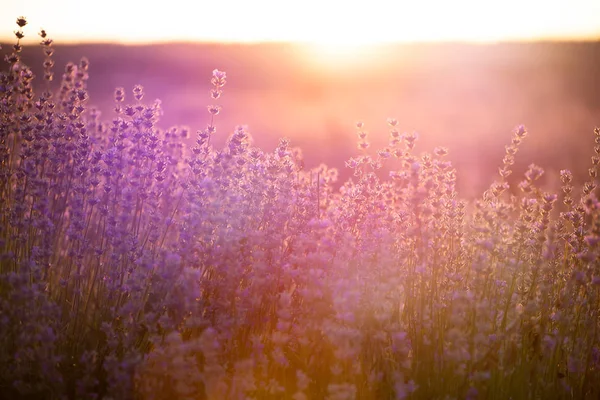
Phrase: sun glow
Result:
[328,55]
[337,51]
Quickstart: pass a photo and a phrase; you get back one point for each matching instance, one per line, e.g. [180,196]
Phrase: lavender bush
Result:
[135,267]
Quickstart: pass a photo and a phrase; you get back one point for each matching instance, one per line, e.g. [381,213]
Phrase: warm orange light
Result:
[334,55]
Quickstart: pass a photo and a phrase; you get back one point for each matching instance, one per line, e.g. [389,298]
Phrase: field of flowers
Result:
[135,267]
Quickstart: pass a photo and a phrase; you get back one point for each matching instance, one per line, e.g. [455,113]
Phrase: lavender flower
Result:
[132,266]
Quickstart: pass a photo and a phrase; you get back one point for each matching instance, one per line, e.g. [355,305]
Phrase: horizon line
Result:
[9,41]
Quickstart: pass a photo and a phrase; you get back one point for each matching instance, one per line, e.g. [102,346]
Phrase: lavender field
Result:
[139,261]
[466,97]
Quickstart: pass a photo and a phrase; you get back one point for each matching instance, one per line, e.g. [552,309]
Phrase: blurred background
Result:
[463,77]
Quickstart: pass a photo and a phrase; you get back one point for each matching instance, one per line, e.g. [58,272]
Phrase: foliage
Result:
[135,267]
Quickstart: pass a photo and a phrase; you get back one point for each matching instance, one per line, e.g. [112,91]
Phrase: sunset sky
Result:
[326,22]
